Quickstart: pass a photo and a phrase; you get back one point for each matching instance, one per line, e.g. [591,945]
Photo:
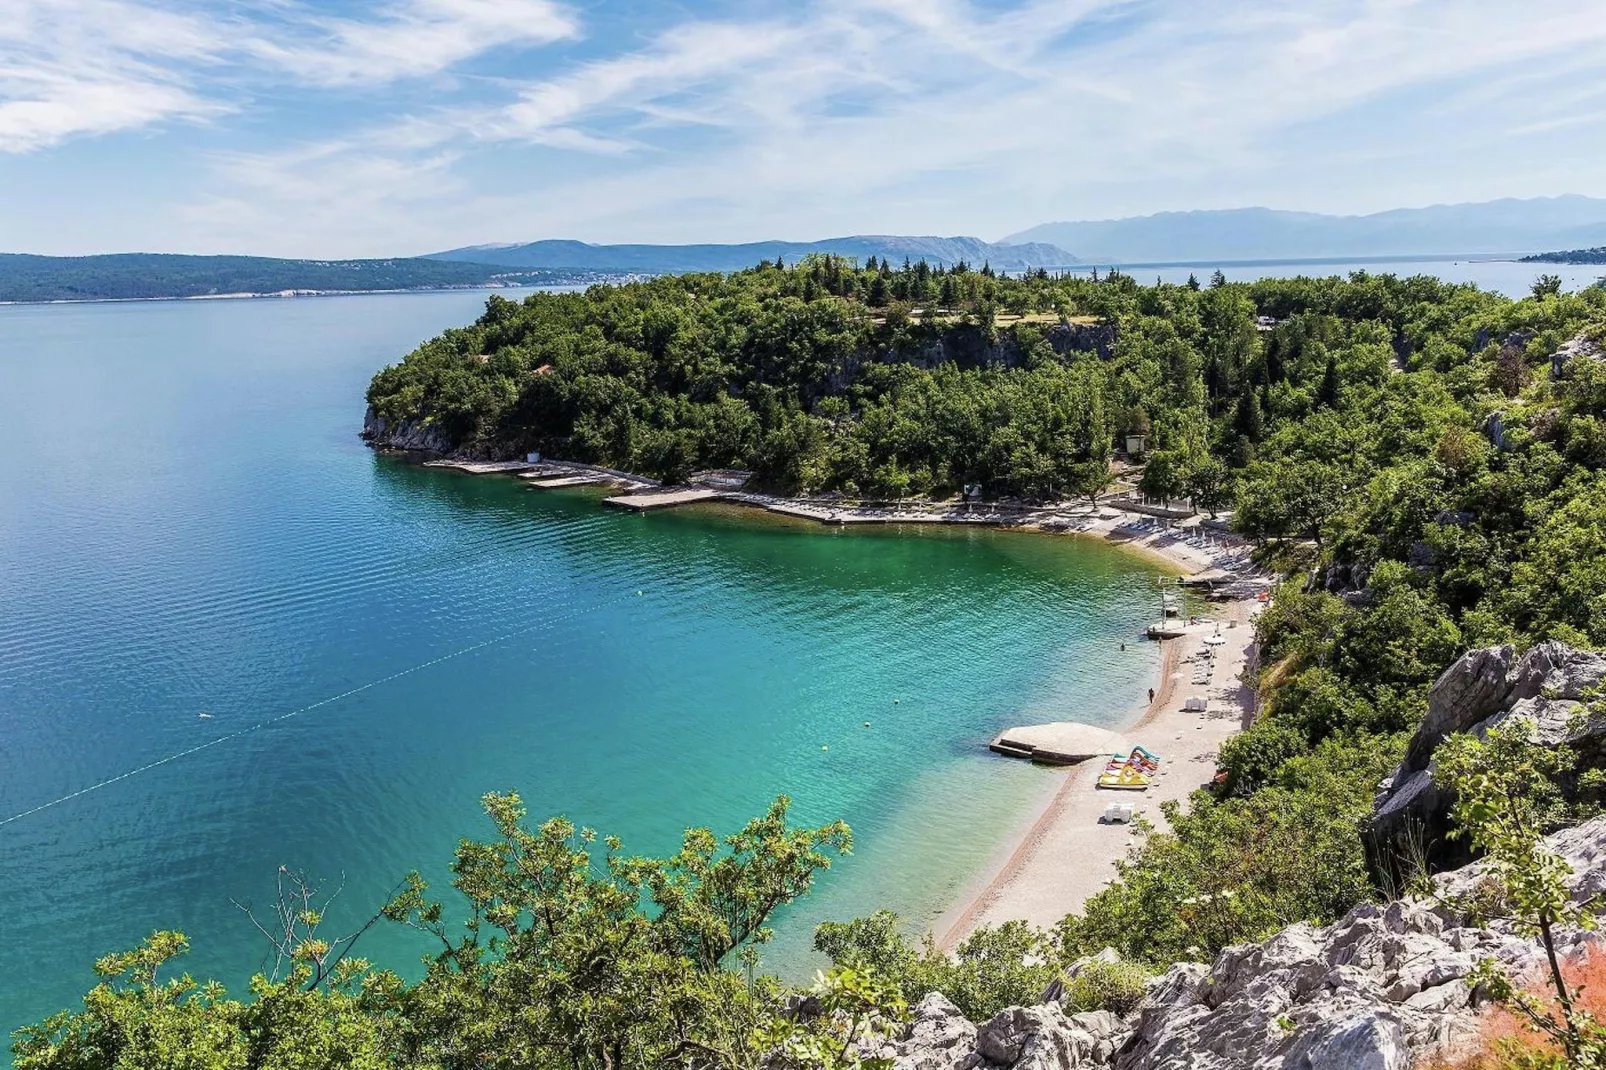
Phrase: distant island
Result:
[1596,255]
[675,259]
[1493,228]
[148,276]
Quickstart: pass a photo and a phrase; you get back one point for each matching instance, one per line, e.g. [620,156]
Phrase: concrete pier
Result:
[482,468]
[1059,742]
[642,501]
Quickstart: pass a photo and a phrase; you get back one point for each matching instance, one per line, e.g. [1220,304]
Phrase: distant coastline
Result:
[30,279]
[284,294]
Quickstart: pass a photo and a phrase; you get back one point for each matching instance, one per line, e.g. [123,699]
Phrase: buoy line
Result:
[269,722]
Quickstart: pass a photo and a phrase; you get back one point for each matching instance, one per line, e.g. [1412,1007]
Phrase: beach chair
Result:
[1117,814]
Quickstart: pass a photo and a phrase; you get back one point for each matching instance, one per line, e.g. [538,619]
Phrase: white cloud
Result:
[416,38]
[70,67]
[926,115]
[83,67]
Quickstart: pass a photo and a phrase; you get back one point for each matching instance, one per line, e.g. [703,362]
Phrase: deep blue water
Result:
[189,525]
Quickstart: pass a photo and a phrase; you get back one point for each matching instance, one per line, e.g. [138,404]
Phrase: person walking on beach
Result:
[1151,696]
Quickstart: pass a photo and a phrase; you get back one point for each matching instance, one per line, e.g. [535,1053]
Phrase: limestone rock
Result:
[1382,988]
[939,1038]
[405,435]
[1032,1038]
[1580,345]
[1482,689]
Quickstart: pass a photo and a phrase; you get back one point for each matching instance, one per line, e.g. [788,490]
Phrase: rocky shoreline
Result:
[1383,988]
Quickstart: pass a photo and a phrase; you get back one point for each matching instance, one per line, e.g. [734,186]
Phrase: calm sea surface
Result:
[189,526]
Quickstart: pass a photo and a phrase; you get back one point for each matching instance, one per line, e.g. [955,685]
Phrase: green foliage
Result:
[565,961]
[1505,791]
[134,1018]
[848,1012]
[1240,868]
[992,968]
[1106,986]
[1252,758]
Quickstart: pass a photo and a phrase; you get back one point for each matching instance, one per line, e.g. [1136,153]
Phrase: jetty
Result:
[555,475]
[668,497]
[559,482]
[483,468]
[1058,742]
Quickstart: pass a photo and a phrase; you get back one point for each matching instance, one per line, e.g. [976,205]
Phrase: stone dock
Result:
[666,498]
[1058,742]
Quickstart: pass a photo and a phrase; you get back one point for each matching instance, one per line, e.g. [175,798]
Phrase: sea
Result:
[234,639]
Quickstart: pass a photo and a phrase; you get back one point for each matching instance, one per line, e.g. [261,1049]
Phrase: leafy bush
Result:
[992,968]
[1106,986]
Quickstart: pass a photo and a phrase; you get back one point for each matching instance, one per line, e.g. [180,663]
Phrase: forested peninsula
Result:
[1424,463]
[1597,255]
[27,278]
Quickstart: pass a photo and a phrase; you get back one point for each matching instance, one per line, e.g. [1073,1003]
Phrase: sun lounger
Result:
[1117,814]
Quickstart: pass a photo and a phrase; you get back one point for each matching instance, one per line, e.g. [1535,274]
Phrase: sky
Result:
[327,128]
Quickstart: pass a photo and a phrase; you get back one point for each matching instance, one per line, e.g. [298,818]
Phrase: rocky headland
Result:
[1383,988]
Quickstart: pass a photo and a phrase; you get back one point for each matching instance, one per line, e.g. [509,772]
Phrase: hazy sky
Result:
[345,127]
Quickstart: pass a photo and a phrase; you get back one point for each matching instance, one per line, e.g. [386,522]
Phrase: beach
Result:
[1062,854]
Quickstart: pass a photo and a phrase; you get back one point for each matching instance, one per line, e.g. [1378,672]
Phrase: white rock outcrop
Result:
[1379,989]
[1483,688]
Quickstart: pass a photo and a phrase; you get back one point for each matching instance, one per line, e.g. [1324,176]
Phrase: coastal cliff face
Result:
[404,435]
[1380,989]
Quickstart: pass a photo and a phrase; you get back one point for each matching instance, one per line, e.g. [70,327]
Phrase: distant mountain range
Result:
[1491,227]
[135,276]
[1506,228]
[660,259]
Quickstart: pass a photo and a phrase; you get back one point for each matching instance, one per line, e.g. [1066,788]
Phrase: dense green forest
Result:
[1408,453]
[131,276]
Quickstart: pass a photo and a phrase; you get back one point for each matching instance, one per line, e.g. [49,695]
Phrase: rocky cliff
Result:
[404,435]
[1379,989]
[1483,688]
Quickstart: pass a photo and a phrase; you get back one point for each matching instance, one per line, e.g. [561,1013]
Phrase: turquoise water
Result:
[189,525]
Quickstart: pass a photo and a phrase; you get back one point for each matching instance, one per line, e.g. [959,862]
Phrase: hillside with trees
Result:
[146,276]
[1424,462]
[1597,255]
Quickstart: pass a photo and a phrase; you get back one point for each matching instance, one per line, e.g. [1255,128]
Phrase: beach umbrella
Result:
[1215,640]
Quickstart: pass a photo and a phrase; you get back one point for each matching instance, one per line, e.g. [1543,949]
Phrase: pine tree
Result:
[1249,421]
[1328,394]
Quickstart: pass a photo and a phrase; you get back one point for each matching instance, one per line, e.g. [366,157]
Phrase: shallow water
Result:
[189,525]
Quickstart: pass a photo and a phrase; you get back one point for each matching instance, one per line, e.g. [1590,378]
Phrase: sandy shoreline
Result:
[1061,855]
